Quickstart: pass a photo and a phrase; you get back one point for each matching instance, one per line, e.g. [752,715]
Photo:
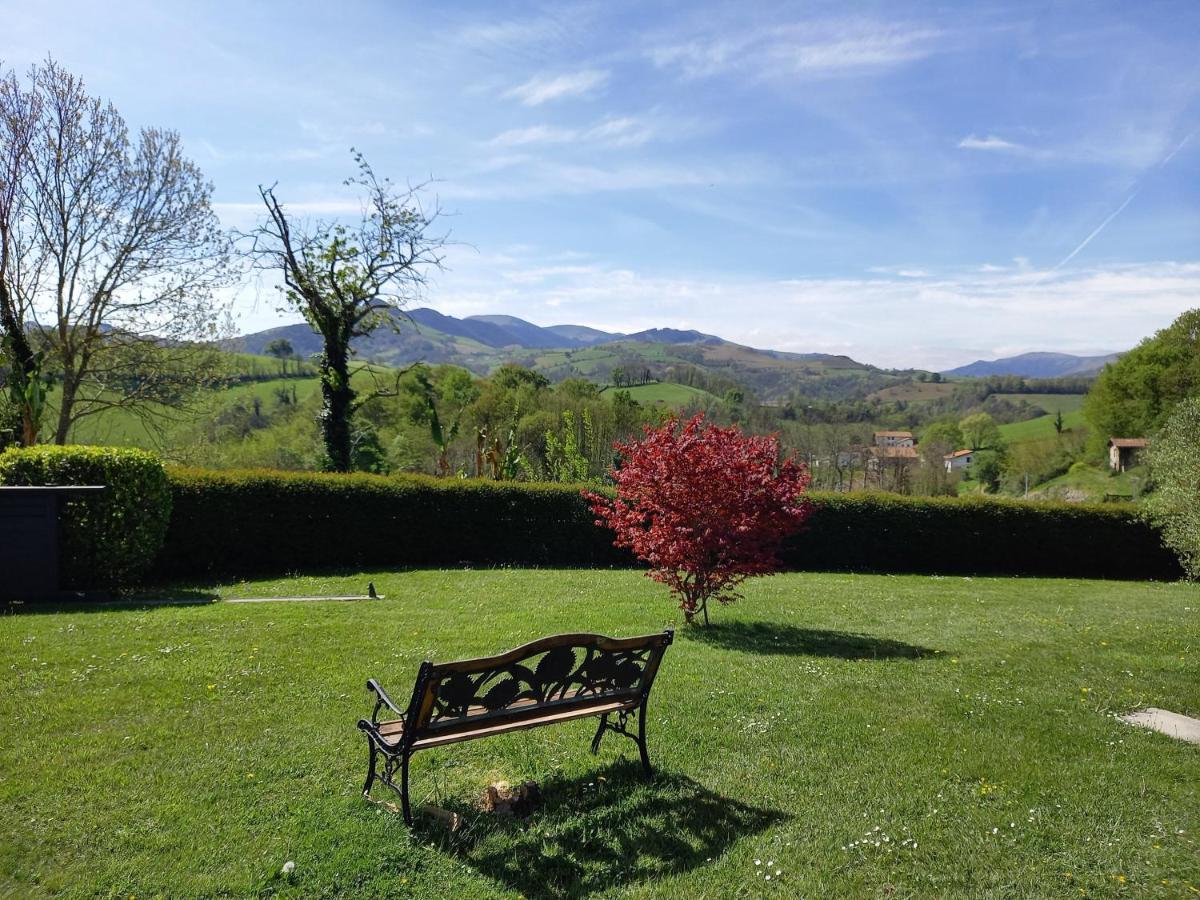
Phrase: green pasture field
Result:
[1098,481]
[847,736]
[666,394]
[1041,427]
[125,428]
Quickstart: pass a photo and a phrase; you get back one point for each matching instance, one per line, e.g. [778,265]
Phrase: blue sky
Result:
[910,184]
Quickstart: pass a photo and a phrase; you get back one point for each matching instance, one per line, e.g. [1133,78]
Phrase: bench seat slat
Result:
[516,724]
[393,732]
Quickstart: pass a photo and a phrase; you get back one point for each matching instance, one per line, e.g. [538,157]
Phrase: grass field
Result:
[1096,482]
[667,394]
[1039,428]
[122,427]
[849,735]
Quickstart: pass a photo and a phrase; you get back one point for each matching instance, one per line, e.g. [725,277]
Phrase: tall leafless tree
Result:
[349,279]
[18,114]
[121,256]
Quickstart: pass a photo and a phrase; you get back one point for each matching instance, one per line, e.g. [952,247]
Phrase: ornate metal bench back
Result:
[561,671]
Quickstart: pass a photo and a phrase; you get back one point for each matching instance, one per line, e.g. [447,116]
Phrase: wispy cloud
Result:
[993,144]
[544,88]
[532,177]
[821,49]
[901,272]
[510,33]
[871,48]
[621,131]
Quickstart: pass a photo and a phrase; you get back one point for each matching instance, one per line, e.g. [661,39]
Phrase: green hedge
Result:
[236,523]
[963,536]
[111,539]
[233,524]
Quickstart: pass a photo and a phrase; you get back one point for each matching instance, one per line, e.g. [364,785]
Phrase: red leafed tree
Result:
[705,507]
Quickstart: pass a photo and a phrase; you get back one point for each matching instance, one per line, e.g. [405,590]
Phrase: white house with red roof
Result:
[958,460]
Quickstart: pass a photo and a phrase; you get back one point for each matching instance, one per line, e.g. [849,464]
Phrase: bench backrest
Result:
[559,672]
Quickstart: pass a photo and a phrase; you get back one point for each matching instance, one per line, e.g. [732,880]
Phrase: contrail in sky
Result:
[1170,156]
[1099,228]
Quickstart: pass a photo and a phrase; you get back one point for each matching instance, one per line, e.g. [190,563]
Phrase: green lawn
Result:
[854,735]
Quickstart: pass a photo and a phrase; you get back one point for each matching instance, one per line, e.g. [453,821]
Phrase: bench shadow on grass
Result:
[604,831]
[788,640]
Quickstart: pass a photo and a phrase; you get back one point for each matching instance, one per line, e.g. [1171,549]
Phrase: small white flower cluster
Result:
[760,726]
[767,871]
[878,838]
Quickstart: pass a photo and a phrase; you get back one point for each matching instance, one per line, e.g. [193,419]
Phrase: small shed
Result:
[1124,452]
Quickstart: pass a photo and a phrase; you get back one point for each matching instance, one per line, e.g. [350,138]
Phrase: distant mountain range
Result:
[1036,365]
[481,343]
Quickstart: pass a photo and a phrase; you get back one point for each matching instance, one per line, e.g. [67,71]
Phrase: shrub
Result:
[235,524]
[1175,504]
[109,539]
[705,507]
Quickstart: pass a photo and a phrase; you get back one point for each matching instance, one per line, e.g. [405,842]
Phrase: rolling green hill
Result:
[477,344]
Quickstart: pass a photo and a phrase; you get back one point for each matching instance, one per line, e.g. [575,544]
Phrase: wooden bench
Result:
[555,679]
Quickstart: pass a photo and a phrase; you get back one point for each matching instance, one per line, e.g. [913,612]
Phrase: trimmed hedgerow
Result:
[109,539]
[235,523]
[232,524]
[947,535]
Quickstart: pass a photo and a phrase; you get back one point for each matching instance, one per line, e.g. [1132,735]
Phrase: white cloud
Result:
[869,49]
[624,131]
[544,88]
[886,321]
[992,143]
[901,272]
[810,49]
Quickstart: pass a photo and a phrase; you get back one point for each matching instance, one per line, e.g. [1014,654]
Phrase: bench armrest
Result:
[382,700]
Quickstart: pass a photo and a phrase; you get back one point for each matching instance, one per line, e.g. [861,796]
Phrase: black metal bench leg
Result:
[370,769]
[599,734]
[641,741]
[404,791]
